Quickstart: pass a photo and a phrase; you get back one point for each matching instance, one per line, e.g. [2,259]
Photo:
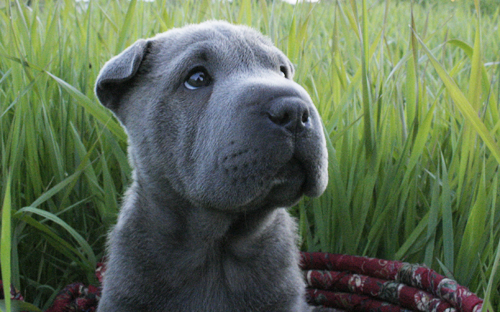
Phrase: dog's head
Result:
[212,112]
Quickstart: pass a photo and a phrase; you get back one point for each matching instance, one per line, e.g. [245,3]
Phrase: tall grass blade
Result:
[56,189]
[475,75]
[474,231]
[93,108]
[19,306]
[463,104]
[488,297]
[447,219]
[83,244]
[57,242]
[414,237]
[245,13]
[126,26]
[413,100]
[432,225]
[292,42]
[6,241]
[367,106]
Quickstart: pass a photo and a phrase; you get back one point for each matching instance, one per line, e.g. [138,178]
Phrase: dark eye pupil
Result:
[197,80]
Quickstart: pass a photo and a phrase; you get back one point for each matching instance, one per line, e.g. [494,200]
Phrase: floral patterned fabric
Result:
[14,293]
[350,301]
[336,283]
[76,298]
[368,284]
[386,291]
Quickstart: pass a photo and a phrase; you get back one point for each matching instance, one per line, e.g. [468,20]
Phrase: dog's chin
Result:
[284,189]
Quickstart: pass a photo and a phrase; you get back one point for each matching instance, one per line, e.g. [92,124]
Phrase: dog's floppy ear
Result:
[112,81]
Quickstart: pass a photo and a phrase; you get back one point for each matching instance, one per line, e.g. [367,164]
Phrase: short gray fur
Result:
[203,226]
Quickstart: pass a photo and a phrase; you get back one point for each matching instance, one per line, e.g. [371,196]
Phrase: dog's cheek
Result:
[154,143]
[215,181]
[175,158]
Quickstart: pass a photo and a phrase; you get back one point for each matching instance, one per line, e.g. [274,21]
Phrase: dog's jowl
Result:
[222,141]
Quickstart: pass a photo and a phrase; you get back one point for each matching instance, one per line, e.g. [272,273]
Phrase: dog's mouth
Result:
[293,172]
[286,187]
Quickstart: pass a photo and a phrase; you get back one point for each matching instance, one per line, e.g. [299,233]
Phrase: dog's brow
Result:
[197,52]
[194,55]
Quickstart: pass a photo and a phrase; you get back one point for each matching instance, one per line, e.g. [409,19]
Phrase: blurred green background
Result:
[412,121]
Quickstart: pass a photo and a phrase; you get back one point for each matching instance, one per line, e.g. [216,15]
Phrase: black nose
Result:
[290,113]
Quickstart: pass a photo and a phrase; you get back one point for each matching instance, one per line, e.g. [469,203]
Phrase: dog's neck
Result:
[168,213]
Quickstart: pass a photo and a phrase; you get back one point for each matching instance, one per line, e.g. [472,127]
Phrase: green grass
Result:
[412,119]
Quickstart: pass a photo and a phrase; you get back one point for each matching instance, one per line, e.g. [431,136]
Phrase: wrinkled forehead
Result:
[221,43]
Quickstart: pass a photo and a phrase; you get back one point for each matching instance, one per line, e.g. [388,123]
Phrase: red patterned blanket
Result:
[338,282]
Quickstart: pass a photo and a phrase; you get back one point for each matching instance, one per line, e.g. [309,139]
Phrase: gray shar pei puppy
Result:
[221,139]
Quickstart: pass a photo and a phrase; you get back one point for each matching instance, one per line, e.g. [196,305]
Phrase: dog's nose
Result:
[290,113]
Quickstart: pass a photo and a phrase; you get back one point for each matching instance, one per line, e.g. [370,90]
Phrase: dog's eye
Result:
[197,78]
[283,71]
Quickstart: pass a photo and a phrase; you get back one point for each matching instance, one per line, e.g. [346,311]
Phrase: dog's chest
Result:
[225,274]
[226,284]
